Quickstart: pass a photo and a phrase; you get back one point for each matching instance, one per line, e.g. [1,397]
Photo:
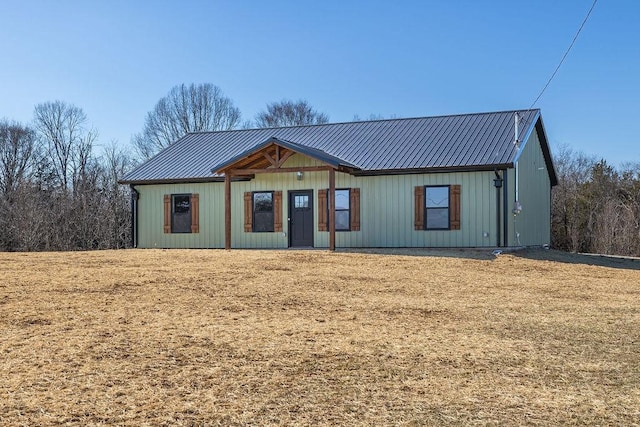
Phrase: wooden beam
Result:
[284,158]
[227,211]
[273,161]
[237,172]
[258,163]
[332,209]
[252,158]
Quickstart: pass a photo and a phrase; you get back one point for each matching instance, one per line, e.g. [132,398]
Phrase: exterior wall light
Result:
[299,175]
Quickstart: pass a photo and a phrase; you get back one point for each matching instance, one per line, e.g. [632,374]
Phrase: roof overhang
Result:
[178,180]
[273,153]
[443,169]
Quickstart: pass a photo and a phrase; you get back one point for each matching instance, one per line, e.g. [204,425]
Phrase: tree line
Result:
[56,193]
[59,192]
[595,206]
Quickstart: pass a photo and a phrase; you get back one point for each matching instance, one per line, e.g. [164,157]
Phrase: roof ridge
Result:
[364,121]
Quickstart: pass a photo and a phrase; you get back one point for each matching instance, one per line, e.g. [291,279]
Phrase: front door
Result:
[301,218]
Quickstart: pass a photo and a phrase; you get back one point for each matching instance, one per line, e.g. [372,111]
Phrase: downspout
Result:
[497,182]
[134,216]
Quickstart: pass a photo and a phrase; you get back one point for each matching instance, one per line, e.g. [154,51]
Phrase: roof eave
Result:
[429,170]
[196,180]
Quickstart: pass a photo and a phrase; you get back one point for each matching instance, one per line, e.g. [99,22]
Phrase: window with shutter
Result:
[437,207]
[181,213]
[263,211]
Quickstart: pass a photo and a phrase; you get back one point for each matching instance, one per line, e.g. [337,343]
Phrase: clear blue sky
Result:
[116,58]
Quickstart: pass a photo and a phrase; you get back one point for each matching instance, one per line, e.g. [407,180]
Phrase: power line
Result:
[565,54]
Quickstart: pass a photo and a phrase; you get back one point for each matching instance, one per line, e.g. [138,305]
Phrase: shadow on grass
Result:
[610,261]
[477,254]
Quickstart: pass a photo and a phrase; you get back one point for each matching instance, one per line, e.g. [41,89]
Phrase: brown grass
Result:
[208,337]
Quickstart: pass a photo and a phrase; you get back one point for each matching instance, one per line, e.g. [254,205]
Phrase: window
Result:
[347,205]
[263,211]
[181,213]
[436,208]
[342,210]
[301,202]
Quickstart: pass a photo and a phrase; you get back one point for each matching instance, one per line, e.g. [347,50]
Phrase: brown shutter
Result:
[322,210]
[167,213]
[354,201]
[418,223]
[454,207]
[277,211]
[195,213]
[248,212]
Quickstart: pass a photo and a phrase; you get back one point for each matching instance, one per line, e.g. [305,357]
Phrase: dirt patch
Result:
[198,337]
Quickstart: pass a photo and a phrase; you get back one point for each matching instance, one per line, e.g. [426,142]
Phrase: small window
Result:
[181,213]
[263,211]
[343,210]
[301,202]
[436,208]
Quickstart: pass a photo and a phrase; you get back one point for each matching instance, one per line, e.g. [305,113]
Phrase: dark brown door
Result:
[301,218]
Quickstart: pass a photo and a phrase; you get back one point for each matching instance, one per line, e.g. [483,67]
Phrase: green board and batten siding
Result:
[532,226]
[386,211]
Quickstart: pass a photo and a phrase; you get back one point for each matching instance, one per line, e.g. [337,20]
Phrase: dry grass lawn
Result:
[208,337]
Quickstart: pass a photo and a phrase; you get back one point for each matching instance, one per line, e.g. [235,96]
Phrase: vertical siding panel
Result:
[397,208]
[390,235]
[488,192]
[477,198]
[510,200]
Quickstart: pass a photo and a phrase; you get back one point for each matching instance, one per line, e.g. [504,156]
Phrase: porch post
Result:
[227,210]
[332,209]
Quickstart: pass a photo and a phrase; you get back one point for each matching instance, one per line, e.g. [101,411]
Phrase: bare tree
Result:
[595,207]
[193,108]
[17,146]
[62,129]
[55,194]
[117,224]
[570,209]
[289,113]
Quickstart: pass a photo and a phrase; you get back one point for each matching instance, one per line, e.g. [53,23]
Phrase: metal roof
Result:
[455,142]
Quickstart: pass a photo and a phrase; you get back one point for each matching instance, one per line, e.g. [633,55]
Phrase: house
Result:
[470,180]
